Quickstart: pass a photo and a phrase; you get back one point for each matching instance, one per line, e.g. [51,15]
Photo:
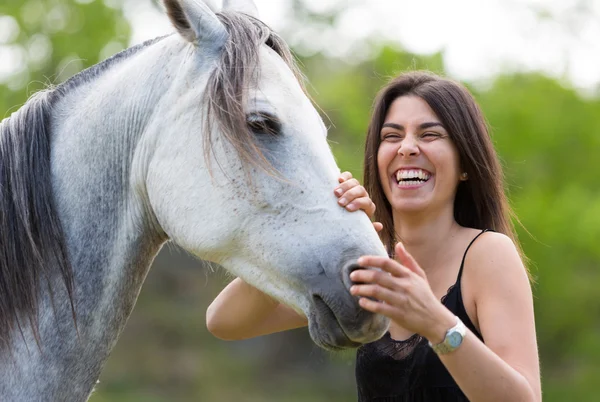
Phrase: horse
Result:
[205,138]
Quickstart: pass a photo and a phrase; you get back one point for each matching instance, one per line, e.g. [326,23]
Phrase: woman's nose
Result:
[408,147]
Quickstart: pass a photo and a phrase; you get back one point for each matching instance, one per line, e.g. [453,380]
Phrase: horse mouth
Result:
[326,330]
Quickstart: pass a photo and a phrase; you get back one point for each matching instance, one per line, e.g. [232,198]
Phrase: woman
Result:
[462,323]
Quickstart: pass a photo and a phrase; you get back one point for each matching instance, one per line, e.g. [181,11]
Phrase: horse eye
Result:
[263,123]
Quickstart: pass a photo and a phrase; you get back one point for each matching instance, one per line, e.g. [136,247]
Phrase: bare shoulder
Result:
[501,292]
[495,261]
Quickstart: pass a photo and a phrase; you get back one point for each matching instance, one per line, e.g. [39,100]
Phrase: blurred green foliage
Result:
[548,137]
[50,40]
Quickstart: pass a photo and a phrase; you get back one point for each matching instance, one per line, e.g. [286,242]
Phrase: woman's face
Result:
[418,163]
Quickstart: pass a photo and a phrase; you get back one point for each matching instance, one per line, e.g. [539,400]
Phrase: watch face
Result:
[455,339]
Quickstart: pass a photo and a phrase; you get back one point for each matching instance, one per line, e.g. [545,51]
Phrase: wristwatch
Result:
[453,339]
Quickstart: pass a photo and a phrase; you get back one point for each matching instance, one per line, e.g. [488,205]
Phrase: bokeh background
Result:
[533,65]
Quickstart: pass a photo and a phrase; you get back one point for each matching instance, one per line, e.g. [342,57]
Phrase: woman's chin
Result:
[409,206]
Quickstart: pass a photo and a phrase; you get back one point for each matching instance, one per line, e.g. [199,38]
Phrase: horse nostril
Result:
[347,270]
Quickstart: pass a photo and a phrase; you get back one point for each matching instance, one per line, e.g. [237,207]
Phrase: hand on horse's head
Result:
[353,196]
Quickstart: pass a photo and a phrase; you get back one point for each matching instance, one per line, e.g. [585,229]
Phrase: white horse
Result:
[204,138]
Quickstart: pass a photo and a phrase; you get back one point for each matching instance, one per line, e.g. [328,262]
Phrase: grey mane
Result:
[32,245]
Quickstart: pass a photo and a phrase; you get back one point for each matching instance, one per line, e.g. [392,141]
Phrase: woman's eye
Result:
[263,123]
[391,137]
[431,135]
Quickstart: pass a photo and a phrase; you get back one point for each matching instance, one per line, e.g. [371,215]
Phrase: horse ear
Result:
[196,22]
[242,6]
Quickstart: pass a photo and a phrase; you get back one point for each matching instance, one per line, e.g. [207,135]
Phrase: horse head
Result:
[241,173]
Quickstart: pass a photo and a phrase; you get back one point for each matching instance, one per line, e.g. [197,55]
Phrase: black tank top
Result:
[401,371]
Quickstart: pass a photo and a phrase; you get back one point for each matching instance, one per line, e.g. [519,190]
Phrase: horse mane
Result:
[32,245]
[227,90]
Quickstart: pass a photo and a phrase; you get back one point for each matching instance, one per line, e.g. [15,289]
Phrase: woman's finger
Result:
[348,185]
[407,260]
[378,226]
[344,176]
[384,263]
[354,197]
[375,292]
[373,276]
[352,190]
[364,204]
[377,307]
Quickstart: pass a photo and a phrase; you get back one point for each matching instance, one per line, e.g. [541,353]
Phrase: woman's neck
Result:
[426,236]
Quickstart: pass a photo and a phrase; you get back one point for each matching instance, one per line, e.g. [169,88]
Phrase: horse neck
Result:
[110,236]
[110,231]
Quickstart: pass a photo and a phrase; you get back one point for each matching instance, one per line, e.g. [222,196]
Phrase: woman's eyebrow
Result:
[421,126]
[393,125]
[431,124]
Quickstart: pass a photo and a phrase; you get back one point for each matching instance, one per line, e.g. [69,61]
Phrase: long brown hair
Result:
[480,202]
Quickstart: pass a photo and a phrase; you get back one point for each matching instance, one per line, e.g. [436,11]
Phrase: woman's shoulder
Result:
[494,260]
[485,243]
[492,244]
[487,240]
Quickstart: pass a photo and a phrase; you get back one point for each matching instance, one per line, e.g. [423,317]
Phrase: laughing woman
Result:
[455,287]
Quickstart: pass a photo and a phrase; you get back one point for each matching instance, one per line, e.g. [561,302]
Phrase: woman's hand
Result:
[401,292]
[354,197]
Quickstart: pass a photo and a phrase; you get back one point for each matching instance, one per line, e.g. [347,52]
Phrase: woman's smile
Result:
[409,178]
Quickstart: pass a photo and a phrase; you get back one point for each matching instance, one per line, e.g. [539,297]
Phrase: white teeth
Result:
[408,183]
[412,175]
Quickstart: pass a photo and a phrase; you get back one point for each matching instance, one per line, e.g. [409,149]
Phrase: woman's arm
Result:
[506,367]
[241,311]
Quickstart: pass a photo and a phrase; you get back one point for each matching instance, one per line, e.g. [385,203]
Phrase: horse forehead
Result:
[276,77]
[279,87]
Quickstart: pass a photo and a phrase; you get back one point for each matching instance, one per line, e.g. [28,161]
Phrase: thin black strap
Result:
[462,264]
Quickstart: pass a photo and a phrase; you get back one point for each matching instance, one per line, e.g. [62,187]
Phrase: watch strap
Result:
[452,340]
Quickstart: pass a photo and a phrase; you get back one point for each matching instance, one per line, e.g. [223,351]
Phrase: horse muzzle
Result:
[336,320]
